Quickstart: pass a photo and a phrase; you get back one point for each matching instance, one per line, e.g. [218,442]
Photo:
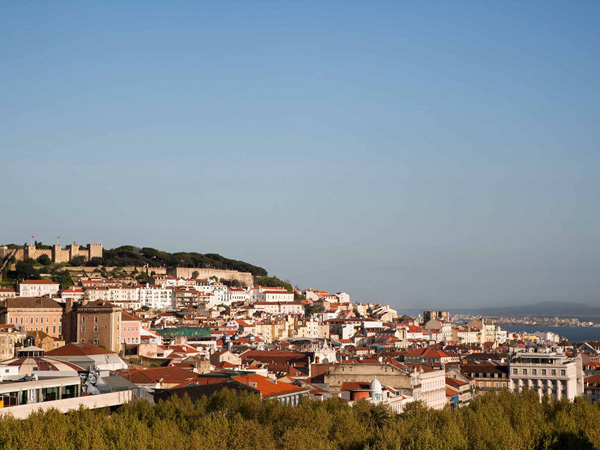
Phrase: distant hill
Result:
[128,255]
[538,309]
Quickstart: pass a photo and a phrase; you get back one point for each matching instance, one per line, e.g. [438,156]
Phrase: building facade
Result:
[38,288]
[33,314]
[547,372]
[99,323]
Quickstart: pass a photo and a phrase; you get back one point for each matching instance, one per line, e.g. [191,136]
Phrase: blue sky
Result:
[423,154]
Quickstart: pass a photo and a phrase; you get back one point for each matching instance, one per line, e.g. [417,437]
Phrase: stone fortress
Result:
[56,253]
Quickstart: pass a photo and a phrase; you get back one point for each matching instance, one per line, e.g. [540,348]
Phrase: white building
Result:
[433,388]
[343,297]
[238,295]
[38,288]
[548,372]
[156,297]
[270,294]
[221,294]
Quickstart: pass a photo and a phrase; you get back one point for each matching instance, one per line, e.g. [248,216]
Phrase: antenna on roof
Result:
[58,239]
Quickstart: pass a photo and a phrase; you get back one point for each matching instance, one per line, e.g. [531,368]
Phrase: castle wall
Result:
[186,272]
[57,254]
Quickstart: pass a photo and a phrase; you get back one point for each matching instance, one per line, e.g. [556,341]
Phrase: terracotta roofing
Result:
[129,317]
[454,382]
[40,363]
[225,365]
[346,385]
[38,282]
[171,374]
[593,379]
[78,349]
[30,302]
[268,387]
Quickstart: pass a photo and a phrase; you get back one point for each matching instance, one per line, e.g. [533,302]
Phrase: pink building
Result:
[130,329]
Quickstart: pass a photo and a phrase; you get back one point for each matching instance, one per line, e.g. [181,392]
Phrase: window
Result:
[543,371]
[82,319]
[82,328]
[553,372]
[95,319]
[563,373]
[95,341]
[524,371]
[533,371]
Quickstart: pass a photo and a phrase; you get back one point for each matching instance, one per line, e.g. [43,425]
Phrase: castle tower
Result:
[56,256]
[94,251]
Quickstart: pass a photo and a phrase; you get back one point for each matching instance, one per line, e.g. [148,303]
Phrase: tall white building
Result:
[433,388]
[156,297]
[547,371]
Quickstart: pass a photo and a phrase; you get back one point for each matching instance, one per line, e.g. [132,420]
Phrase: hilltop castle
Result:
[56,253]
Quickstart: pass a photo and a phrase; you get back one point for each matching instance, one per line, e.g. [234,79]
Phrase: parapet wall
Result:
[203,274]
[57,254]
[66,405]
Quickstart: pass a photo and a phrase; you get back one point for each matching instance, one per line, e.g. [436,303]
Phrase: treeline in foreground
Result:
[236,421]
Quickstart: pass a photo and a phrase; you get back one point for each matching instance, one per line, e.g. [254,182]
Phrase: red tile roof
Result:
[78,350]
[268,387]
[37,282]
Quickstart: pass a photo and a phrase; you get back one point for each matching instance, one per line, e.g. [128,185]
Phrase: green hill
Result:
[128,255]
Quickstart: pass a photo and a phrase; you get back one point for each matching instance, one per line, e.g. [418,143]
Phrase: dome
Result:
[43,366]
[376,386]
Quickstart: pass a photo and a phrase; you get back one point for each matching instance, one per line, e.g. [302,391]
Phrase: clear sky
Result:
[423,154]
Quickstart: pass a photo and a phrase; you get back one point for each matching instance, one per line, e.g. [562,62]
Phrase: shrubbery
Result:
[231,421]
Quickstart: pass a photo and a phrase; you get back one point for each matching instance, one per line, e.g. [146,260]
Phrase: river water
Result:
[573,334]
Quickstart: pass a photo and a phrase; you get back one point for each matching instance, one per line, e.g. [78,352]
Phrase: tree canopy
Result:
[273,282]
[129,255]
[228,420]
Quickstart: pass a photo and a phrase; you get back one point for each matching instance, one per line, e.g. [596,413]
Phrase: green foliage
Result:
[143,278]
[273,282]
[129,255]
[78,261]
[95,262]
[62,277]
[243,421]
[44,260]
[309,310]
[25,270]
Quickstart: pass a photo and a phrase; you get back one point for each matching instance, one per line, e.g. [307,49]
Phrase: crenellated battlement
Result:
[56,253]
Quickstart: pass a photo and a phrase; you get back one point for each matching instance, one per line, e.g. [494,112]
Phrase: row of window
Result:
[543,372]
[28,320]
[496,384]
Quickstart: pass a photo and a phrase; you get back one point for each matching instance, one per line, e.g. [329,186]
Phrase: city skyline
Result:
[407,154]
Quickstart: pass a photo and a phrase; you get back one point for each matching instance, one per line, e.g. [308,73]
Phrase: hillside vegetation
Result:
[128,255]
[231,421]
